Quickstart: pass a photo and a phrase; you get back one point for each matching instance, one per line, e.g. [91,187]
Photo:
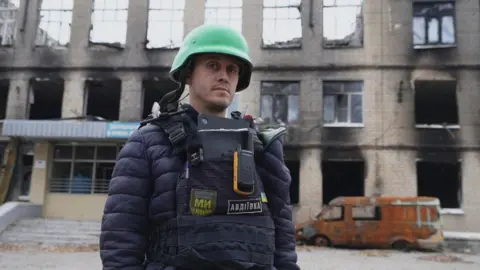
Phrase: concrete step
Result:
[54,223]
[52,232]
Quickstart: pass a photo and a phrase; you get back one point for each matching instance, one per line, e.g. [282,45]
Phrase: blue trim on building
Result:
[120,129]
[68,129]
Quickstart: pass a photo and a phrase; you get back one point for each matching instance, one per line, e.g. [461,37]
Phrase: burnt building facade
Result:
[379,96]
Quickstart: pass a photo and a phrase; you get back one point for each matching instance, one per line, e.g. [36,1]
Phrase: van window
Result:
[429,214]
[333,214]
[366,212]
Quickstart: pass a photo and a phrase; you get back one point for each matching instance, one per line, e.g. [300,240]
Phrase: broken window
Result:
[436,103]
[342,23]
[165,24]
[109,22]
[333,213]
[441,180]
[366,212]
[54,23]
[82,169]
[225,12]
[45,98]
[103,98]
[4,89]
[282,24]
[342,178]
[153,91]
[280,102]
[8,14]
[343,102]
[433,24]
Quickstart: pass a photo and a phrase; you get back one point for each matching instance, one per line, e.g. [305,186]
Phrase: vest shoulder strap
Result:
[176,126]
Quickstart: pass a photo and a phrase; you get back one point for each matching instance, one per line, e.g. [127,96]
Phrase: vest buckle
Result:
[176,132]
[196,157]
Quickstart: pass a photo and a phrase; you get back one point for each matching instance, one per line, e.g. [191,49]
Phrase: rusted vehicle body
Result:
[376,222]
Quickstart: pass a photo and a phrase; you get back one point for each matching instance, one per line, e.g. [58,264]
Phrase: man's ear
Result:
[188,79]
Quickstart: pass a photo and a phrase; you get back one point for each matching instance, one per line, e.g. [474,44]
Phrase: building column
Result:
[251,96]
[310,183]
[194,15]
[39,178]
[18,97]
[131,101]
[80,29]
[73,103]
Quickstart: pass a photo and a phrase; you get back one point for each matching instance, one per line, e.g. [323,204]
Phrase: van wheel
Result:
[320,241]
[402,245]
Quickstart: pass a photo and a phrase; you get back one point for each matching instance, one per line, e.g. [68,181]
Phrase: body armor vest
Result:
[222,220]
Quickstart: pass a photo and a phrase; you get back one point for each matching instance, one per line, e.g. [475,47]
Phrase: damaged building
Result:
[378,97]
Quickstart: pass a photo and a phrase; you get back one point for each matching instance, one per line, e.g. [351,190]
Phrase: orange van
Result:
[376,222]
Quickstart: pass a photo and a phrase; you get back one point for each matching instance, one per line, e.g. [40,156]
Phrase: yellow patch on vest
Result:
[203,202]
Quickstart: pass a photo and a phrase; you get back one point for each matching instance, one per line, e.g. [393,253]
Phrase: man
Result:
[149,221]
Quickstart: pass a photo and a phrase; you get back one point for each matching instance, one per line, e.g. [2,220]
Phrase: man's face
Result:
[213,81]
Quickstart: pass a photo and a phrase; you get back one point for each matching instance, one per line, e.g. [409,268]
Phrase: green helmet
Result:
[210,38]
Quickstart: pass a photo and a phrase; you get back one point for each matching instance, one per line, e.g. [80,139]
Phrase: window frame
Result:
[123,42]
[439,16]
[274,93]
[42,35]
[170,23]
[418,88]
[349,123]
[9,21]
[229,20]
[274,45]
[336,44]
[73,160]
[459,163]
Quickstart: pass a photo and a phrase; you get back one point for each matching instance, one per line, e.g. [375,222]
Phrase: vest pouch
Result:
[225,242]
[212,191]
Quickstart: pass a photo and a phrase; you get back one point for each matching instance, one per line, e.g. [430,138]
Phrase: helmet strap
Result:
[169,102]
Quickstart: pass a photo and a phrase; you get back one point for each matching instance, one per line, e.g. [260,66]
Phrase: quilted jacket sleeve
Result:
[276,178]
[124,226]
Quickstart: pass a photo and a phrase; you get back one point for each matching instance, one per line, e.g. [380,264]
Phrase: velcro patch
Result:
[238,207]
[203,202]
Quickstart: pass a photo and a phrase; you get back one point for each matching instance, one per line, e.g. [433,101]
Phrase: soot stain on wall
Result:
[438,144]
[340,143]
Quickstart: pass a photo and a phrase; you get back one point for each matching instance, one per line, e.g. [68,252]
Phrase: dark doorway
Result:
[27,175]
[294,167]
[342,178]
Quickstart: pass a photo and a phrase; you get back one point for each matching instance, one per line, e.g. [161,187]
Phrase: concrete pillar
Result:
[137,19]
[310,183]
[251,96]
[194,15]
[26,38]
[39,179]
[252,27]
[81,23]
[131,101]
[17,104]
[73,103]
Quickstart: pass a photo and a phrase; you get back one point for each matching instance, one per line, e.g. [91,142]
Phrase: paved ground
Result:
[12,258]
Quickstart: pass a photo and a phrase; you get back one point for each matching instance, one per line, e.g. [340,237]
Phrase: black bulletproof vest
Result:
[215,226]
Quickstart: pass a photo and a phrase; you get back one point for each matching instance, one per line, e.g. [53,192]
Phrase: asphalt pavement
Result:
[12,258]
